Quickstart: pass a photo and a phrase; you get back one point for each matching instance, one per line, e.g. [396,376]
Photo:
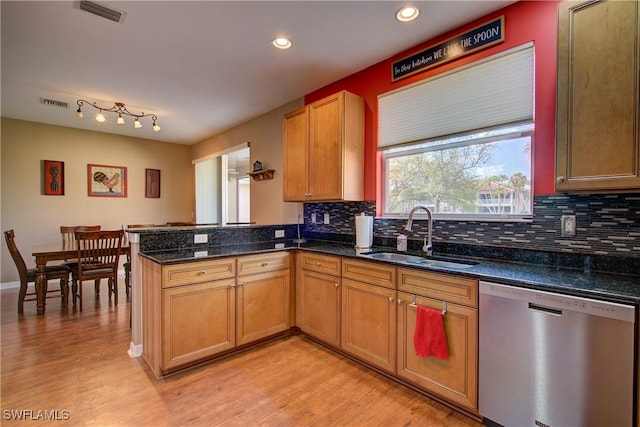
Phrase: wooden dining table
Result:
[55,252]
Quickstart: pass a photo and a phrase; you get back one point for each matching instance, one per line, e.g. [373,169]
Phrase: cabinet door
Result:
[262,305]
[325,148]
[295,158]
[319,314]
[369,323]
[598,113]
[455,378]
[198,321]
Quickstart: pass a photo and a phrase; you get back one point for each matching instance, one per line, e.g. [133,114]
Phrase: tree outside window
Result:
[481,174]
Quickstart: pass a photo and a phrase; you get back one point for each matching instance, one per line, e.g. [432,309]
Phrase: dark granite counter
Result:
[622,288]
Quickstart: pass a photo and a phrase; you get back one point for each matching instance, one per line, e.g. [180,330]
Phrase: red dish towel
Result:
[429,338]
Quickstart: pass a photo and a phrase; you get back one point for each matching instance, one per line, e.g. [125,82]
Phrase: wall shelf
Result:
[262,175]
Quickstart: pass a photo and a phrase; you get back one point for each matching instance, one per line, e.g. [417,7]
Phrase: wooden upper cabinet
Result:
[295,158]
[324,150]
[598,114]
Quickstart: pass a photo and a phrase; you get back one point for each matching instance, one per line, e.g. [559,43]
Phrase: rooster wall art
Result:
[103,179]
[107,181]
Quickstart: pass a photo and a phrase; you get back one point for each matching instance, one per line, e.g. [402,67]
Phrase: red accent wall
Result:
[524,21]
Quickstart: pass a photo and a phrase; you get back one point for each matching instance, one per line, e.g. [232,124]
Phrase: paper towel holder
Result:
[363,231]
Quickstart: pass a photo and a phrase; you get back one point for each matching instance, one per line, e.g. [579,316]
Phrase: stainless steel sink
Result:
[421,261]
[446,264]
[392,256]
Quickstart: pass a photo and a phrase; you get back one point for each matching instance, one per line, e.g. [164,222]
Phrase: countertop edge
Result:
[598,285]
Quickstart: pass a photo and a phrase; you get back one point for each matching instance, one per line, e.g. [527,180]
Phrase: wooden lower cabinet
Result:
[195,310]
[262,305]
[454,379]
[198,321]
[319,296]
[369,323]
[188,312]
[319,300]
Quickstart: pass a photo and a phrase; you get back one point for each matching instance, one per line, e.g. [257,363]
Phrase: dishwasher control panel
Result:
[561,302]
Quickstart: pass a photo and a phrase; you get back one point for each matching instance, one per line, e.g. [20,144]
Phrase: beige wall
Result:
[265,134]
[36,218]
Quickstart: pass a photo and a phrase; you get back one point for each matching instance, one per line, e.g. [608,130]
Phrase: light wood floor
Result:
[77,362]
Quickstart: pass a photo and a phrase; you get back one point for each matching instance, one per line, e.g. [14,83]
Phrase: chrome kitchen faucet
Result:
[428,247]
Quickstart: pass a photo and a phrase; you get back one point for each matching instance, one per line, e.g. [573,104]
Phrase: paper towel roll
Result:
[364,231]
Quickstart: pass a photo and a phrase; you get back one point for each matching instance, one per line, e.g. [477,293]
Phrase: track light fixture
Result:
[119,109]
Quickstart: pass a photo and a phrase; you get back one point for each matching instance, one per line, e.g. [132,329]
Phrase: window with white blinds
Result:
[495,91]
[460,144]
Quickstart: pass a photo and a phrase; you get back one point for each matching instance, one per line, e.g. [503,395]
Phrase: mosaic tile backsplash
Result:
[605,225]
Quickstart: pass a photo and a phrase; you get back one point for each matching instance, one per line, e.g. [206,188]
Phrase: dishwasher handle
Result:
[545,310]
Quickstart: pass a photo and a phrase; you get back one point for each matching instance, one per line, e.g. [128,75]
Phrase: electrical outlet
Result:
[200,238]
[568,225]
[326,218]
[279,233]
[313,218]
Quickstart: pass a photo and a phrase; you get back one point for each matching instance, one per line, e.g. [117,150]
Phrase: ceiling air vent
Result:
[100,10]
[54,103]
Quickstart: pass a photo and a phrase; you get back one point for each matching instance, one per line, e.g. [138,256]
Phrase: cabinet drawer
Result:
[321,263]
[198,272]
[444,287]
[369,272]
[261,263]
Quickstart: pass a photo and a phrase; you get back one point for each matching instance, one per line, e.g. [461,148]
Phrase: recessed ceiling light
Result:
[281,43]
[407,13]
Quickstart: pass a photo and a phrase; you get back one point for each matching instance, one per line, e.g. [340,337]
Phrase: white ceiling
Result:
[201,66]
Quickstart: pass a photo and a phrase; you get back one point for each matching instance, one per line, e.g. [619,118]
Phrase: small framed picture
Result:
[106,181]
[152,183]
[53,178]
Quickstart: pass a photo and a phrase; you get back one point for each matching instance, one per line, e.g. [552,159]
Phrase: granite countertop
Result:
[622,288]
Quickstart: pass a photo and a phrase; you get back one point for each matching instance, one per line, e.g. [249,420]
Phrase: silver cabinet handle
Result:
[399,302]
[560,179]
[233,285]
[390,299]
[336,285]
[202,272]
[318,264]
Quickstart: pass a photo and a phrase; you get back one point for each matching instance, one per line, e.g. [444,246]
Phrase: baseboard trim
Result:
[135,350]
[9,285]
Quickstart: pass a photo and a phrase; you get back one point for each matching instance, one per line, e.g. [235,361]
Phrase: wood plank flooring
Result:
[74,367]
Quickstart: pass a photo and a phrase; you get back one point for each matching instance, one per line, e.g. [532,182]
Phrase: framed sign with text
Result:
[480,37]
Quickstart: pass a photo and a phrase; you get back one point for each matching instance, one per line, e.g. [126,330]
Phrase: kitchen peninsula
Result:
[257,289]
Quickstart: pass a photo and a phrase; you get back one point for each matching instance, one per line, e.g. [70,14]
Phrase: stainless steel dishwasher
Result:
[549,359]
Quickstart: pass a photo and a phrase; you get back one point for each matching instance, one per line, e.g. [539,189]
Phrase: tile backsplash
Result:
[605,225]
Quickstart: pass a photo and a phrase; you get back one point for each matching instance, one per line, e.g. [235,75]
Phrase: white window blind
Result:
[495,91]
[207,191]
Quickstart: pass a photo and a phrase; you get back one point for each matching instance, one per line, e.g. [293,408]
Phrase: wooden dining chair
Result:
[67,232]
[69,241]
[98,257]
[28,275]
